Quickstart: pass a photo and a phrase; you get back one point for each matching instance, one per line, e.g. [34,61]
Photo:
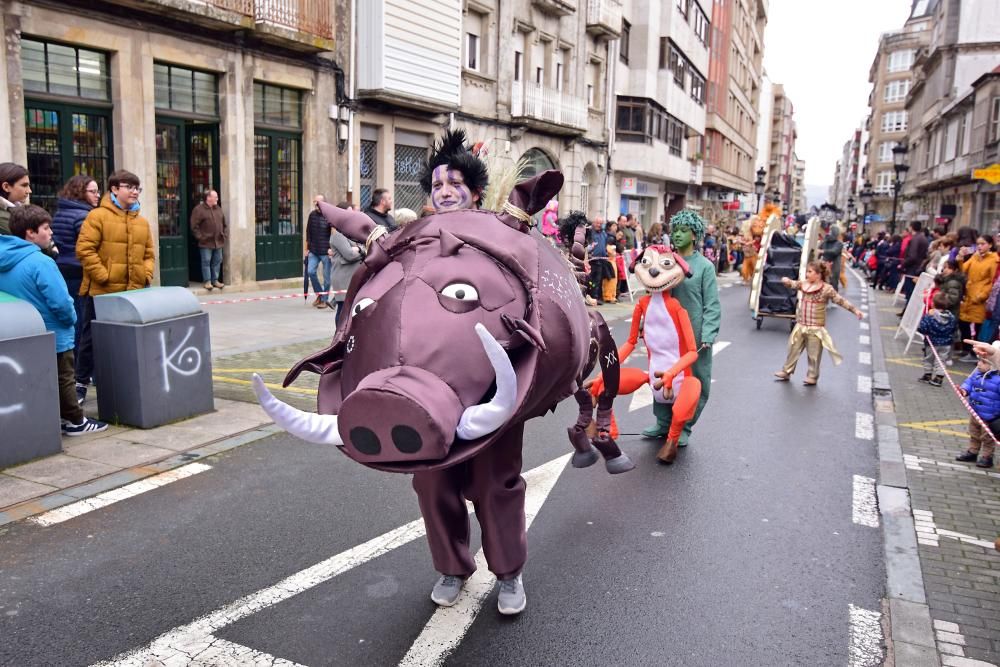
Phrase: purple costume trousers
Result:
[492,481]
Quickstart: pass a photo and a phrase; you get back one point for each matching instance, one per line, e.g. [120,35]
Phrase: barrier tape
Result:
[965,402]
[274,297]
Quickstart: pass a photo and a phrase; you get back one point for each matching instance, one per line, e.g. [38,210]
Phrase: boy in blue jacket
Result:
[30,275]
[982,390]
[938,327]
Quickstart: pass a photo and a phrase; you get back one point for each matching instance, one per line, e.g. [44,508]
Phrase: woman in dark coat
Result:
[76,199]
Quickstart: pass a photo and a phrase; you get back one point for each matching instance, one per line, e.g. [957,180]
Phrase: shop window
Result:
[409,162]
[276,106]
[368,171]
[185,91]
[71,136]
[67,71]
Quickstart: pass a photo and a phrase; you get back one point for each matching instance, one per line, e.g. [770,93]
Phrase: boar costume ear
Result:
[529,197]
[353,224]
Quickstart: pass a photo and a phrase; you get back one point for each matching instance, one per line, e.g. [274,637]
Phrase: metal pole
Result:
[895,198]
[758,203]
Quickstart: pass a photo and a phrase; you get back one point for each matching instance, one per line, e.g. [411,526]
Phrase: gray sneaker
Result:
[511,600]
[447,589]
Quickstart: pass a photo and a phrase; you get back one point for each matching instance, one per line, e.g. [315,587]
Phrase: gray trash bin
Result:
[152,357]
[29,390]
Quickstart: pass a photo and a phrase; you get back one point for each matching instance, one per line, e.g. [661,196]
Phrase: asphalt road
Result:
[744,552]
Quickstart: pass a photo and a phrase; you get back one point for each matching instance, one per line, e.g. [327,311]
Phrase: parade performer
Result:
[461,326]
[699,296]
[666,331]
[810,332]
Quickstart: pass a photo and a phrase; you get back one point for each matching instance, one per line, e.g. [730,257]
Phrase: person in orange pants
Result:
[670,343]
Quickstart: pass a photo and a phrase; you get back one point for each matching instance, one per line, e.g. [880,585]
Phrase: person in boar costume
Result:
[462,325]
[665,328]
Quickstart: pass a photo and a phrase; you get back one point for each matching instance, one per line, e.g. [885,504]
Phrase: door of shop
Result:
[187,167]
[278,203]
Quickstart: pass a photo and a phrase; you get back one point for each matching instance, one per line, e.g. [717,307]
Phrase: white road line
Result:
[865,358]
[222,652]
[864,506]
[916,463]
[864,426]
[447,627]
[67,512]
[864,339]
[864,384]
[866,638]
[864,325]
[185,644]
[720,346]
[929,534]
[643,397]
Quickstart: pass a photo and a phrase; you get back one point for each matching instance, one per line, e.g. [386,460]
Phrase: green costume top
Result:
[699,295]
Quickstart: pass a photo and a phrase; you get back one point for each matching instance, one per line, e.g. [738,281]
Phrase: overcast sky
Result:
[821,51]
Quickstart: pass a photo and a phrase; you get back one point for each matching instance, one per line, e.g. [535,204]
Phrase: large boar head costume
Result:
[459,325]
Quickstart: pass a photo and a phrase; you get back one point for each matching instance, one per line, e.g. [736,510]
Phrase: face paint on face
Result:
[449,191]
[681,238]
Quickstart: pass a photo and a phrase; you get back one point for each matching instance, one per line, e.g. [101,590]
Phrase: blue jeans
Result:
[314,261]
[211,264]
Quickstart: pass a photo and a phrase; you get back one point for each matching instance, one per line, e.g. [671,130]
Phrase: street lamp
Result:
[850,209]
[758,186]
[866,198]
[899,152]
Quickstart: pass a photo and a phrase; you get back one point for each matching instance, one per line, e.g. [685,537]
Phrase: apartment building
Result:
[891,76]
[525,77]
[954,109]
[191,95]
[781,163]
[660,87]
[798,200]
[846,181]
[733,101]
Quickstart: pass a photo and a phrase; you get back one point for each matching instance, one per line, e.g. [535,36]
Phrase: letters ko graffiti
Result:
[183,360]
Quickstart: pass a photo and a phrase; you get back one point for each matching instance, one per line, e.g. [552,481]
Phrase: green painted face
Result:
[681,238]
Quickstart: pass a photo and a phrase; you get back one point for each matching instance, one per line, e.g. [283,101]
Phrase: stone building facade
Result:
[239,96]
[954,109]
[891,76]
[781,165]
[526,77]
[659,83]
[733,102]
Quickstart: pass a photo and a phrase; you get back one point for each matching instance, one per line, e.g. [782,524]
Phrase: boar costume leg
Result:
[492,482]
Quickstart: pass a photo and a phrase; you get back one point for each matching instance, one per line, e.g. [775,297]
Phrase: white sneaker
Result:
[447,589]
[512,600]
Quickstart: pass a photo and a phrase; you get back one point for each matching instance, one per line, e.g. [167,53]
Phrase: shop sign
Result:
[990,174]
[633,186]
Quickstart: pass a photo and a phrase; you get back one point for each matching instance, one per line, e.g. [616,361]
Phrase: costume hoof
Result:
[585,459]
[667,453]
[619,464]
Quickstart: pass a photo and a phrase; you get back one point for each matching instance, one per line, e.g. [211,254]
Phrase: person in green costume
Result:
[699,295]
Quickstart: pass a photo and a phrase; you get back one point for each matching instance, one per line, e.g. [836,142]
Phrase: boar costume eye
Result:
[461,291]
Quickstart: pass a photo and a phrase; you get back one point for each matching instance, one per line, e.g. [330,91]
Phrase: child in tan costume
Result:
[810,332]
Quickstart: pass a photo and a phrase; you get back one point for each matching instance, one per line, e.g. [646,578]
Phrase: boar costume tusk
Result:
[321,429]
[480,420]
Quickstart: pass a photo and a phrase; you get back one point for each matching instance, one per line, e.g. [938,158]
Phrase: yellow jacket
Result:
[980,272]
[115,248]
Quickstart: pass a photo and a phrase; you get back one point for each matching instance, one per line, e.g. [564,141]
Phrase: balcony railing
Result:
[548,104]
[604,17]
[314,17]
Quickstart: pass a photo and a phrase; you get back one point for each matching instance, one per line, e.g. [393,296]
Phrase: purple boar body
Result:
[407,362]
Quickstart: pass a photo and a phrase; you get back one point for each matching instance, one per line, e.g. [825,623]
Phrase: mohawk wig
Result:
[691,220]
[569,225]
[454,152]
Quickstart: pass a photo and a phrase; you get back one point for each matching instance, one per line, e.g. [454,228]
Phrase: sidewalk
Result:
[955,506]
[251,332]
